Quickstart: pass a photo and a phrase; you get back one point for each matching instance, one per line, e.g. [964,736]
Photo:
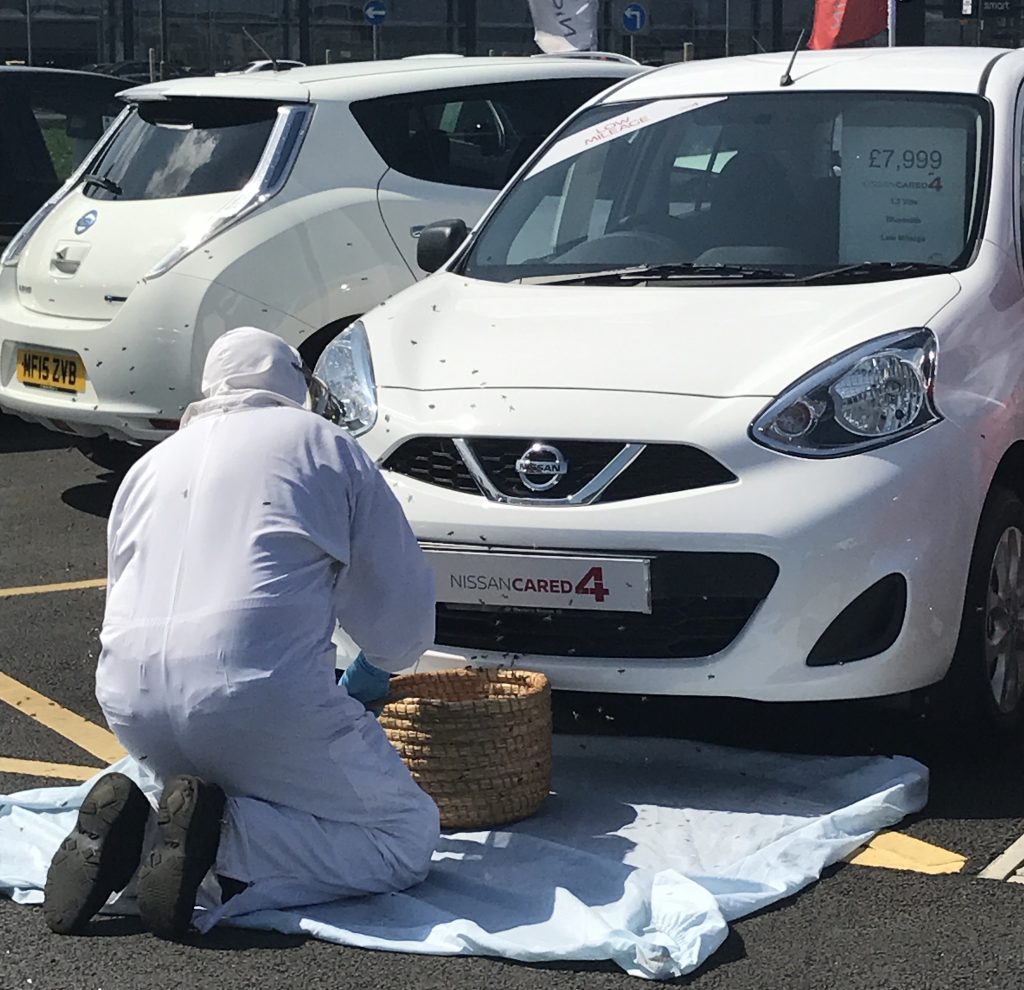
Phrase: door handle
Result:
[416,230]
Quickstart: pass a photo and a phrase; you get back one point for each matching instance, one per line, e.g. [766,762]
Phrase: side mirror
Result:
[438,242]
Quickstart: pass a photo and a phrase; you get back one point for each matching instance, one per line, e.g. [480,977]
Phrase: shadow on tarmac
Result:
[220,939]
[879,727]
[732,950]
[96,498]
[17,437]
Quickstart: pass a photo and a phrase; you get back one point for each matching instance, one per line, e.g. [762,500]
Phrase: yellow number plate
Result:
[51,369]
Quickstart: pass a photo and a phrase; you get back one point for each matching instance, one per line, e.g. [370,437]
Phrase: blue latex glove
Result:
[364,682]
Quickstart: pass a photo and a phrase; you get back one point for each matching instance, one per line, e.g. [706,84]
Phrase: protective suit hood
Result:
[248,367]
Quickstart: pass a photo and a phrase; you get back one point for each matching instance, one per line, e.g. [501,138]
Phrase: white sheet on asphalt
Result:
[642,854]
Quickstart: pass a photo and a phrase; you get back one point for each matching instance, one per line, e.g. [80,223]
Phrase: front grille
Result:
[585,458]
[659,469]
[700,603]
[667,467]
[433,460]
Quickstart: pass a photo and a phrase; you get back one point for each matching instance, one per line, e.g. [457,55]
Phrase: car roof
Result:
[361,80]
[937,70]
[40,70]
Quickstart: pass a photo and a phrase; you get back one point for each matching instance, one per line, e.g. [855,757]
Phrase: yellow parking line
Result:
[895,851]
[44,589]
[33,768]
[89,736]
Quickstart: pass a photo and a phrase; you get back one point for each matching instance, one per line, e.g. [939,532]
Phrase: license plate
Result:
[51,369]
[602,584]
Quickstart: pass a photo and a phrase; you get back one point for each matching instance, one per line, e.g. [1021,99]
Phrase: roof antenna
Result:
[787,78]
[272,60]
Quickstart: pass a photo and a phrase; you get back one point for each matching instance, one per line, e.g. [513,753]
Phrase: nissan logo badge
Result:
[541,467]
[85,222]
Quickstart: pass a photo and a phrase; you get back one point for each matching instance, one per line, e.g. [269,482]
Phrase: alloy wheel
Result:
[1004,621]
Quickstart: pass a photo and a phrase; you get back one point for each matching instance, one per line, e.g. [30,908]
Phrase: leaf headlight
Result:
[871,395]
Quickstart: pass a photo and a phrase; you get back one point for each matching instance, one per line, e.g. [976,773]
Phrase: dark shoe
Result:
[99,856]
[230,887]
[169,877]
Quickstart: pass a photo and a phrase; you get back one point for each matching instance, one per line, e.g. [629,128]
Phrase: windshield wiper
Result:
[645,273]
[103,181]
[870,269]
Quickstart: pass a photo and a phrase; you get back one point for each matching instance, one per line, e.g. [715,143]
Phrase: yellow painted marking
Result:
[894,851]
[33,768]
[89,736]
[45,589]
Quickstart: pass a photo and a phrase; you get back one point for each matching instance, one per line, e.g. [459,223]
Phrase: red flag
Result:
[844,22]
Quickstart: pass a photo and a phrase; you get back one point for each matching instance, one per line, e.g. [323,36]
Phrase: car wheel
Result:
[985,684]
[112,455]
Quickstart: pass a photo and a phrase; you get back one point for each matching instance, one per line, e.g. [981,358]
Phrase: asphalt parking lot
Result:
[860,927]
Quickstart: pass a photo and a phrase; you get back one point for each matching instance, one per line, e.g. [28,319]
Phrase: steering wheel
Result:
[647,248]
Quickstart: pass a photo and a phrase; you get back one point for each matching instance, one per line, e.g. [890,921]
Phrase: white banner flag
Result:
[564,25]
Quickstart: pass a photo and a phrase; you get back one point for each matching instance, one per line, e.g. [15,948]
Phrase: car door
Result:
[449,151]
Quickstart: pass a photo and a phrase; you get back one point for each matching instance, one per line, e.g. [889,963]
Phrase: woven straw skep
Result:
[477,741]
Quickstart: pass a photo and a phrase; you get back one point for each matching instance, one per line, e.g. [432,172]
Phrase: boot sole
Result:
[99,856]
[189,818]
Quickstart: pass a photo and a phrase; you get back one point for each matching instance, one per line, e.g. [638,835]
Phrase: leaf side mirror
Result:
[438,242]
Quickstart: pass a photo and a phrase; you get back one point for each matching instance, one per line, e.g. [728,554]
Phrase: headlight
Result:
[869,396]
[343,386]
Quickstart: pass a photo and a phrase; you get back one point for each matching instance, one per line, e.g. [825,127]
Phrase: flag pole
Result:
[892,22]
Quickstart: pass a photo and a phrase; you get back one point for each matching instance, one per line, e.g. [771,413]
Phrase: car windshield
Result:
[182,147]
[768,186]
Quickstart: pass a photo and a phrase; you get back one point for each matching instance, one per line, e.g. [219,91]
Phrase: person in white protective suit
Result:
[234,547]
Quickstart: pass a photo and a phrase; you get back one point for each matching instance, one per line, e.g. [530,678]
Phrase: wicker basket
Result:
[477,741]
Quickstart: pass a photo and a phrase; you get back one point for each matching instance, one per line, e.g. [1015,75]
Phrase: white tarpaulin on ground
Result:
[643,853]
[564,25]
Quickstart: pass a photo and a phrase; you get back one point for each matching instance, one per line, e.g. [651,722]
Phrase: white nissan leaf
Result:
[725,394]
[285,200]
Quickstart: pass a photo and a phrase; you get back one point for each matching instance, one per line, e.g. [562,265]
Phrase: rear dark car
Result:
[49,119]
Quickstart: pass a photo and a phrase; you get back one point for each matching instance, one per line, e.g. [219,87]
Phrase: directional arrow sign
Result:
[634,17]
[374,12]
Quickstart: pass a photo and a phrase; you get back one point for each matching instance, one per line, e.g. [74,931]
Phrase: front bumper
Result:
[833,527]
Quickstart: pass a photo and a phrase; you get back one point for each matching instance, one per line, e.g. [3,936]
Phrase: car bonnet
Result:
[450,332]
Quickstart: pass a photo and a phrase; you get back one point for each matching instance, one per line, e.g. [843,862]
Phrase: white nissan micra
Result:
[725,394]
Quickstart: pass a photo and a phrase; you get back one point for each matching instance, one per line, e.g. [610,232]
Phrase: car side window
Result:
[70,115]
[48,123]
[68,135]
[475,136]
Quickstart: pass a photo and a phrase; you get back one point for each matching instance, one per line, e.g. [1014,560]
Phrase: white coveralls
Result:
[233,548]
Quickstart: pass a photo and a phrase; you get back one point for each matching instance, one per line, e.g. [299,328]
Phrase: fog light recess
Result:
[867,626]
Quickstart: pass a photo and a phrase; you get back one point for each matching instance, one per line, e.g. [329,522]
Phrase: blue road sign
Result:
[374,12]
[634,17]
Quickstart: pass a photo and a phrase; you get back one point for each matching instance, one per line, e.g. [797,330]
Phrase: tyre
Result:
[112,455]
[985,684]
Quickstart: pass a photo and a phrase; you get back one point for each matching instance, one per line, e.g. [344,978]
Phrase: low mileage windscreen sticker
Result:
[616,127]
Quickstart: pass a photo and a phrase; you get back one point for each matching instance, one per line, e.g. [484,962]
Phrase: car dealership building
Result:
[207,35]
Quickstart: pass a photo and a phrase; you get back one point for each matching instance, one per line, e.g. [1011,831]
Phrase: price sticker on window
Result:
[902,194]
